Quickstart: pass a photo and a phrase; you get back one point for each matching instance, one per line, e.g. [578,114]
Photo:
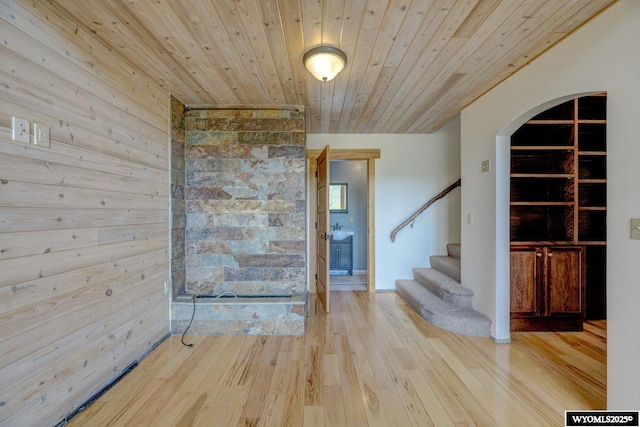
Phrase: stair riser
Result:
[452,324]
[459,300]
[446,266]
[454,250]
[443,286]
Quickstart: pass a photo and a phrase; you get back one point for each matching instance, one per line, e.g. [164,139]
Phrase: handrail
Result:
[424,208]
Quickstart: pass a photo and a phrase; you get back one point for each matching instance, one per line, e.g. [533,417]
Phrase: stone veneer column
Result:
[178,217]
[245,201]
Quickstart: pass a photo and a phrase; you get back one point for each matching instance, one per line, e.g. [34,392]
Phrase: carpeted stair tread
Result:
[454,250]
[461,320]
[446,265]
[443,286]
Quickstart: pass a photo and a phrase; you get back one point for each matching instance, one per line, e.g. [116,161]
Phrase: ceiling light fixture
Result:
[324,62]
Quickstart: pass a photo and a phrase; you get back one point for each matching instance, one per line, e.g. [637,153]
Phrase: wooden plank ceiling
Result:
[412,64]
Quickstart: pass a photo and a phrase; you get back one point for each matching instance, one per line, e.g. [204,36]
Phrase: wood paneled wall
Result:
[83,224]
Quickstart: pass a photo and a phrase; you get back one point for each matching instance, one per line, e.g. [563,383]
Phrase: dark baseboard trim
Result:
[113,382]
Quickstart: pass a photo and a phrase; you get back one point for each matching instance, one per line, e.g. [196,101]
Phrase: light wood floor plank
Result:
[294,399]
[365,371]
[313,416]
[227,412]
[371,362]
[331,370]
[275,400]
[260,386]
[429,399]
[333,408]
[352,398]
[413,405]
[504,404]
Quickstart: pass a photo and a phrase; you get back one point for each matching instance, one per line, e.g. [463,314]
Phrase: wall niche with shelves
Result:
[558,195]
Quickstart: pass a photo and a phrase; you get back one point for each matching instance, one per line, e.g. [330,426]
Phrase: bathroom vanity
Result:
[341,253]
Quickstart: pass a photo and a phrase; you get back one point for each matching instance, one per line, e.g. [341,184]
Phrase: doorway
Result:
[367,156]
[348,219]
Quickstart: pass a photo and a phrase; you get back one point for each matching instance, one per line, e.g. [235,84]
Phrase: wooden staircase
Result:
[437,295]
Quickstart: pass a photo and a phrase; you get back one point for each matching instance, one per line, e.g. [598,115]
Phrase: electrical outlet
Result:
[486,166]
[469,218]
[40,135]
[20,129]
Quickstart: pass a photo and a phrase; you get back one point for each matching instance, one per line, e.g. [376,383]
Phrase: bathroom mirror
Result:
[338,198]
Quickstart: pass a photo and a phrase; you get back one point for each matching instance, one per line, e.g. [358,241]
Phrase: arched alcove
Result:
[503,177]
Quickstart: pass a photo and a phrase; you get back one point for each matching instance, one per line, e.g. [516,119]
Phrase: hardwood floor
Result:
[371,362]
[357,282]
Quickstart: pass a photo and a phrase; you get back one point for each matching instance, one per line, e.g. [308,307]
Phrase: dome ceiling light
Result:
[324,62]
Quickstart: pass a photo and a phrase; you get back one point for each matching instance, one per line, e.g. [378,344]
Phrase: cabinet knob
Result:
[549,254]
[538,254]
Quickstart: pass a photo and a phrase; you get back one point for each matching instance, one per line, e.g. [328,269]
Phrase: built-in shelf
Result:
[542,203]
[542,175]
[558,190]
[558,174]
[544,134]
[592,153]
[539,147]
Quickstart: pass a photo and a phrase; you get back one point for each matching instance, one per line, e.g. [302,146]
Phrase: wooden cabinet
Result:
[558,198]
[547,288]
[341,257]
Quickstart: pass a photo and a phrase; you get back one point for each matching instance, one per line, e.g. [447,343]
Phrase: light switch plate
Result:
[635,228]
[486,166]
[40,135]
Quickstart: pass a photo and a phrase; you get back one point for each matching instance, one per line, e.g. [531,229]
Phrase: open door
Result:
[323,229]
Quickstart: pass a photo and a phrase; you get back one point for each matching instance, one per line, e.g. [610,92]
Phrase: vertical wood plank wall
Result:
[84,223]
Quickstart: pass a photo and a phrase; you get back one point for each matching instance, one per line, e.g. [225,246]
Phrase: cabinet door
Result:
[565,281]
[525,298]
[345,256]
[334,255]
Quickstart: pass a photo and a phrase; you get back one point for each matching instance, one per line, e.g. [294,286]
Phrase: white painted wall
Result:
[411,170]
[602,56]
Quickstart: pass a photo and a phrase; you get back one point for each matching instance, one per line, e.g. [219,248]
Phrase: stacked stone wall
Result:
[245,201]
